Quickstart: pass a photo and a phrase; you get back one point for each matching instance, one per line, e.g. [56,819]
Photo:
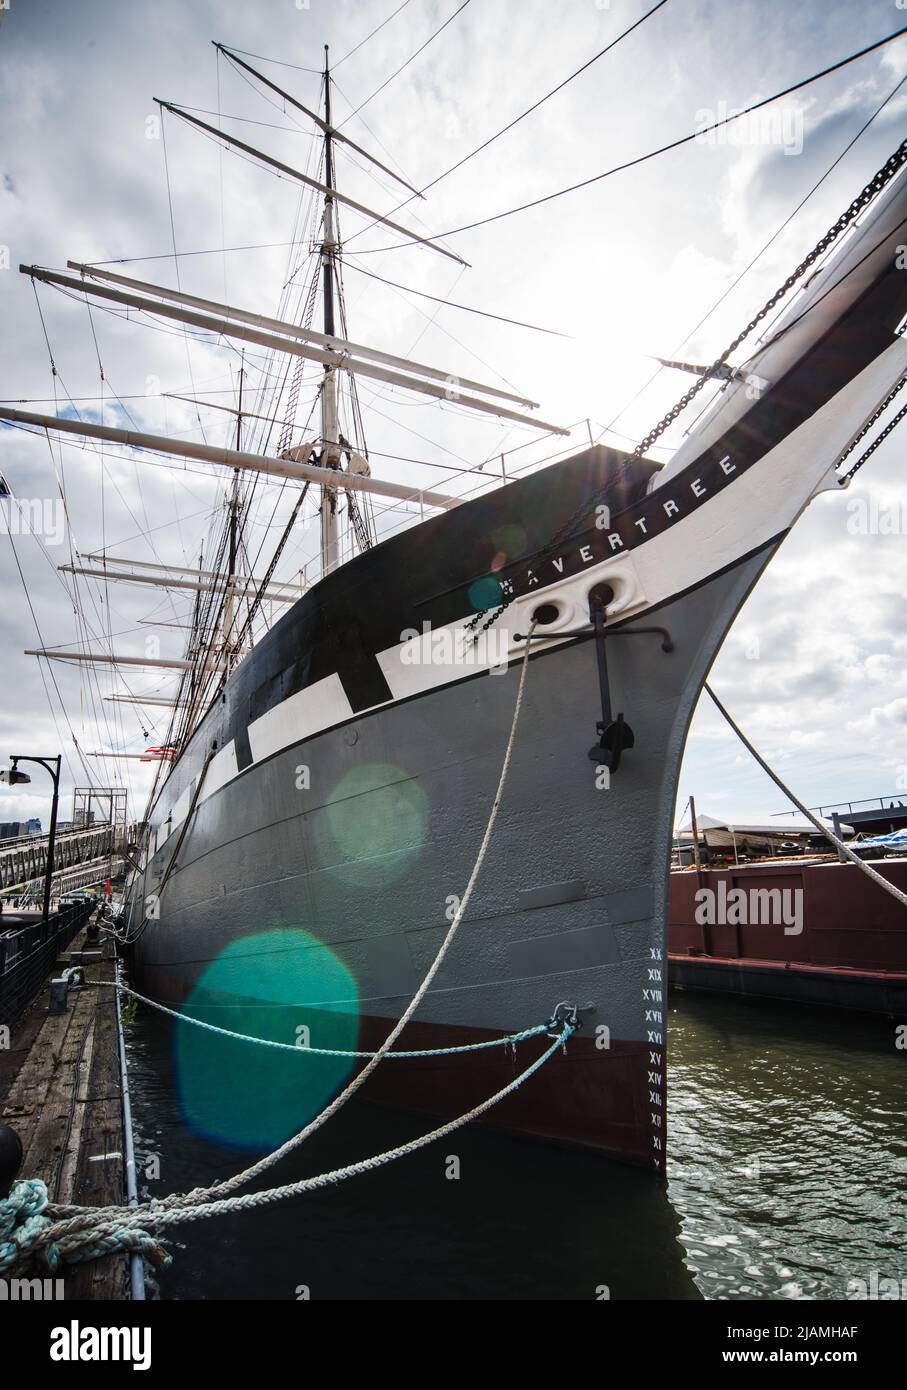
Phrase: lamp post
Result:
[13,777]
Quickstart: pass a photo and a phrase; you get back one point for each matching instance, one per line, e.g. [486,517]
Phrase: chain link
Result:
[892,425]
[872,189]
[880,180]
[873,419]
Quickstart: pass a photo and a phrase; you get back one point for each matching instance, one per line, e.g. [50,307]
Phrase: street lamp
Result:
[13,777]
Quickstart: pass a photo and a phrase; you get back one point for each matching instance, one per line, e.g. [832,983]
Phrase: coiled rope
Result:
[839,844]
[27,1229]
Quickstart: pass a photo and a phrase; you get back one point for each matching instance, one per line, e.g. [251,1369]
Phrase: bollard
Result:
[59,989]
[10,1158]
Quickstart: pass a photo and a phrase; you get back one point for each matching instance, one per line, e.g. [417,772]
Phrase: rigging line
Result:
[431,322]
[262,59]
[208,251]
[175,261]
[105,379]
[768,333]
[254,564]
[721,298]
[105,600]
[535,106]
[247,120]
[375,31]
[774,337]
[410,59]
[561,85]
[452,304]
[392,158]
[270,100]
[25,588]
[674,144]
[372,174]
[90,680]
[220,178]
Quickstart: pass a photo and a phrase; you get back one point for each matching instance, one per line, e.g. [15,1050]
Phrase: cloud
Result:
[629,267]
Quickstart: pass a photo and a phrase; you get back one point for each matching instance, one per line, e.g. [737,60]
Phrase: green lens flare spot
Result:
[485,593]
[511,539]
[284,985]
[375,819]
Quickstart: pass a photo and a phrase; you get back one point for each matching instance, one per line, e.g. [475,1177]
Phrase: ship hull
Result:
[367,857]
[307,852]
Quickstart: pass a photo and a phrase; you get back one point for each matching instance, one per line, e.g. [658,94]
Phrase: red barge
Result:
[845,946]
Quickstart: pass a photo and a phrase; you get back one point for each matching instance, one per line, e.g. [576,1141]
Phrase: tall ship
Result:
[497,693]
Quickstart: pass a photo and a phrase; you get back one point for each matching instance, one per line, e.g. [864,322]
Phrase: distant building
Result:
[17,829]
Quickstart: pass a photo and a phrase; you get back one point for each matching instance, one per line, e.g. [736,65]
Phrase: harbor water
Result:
[787,1142]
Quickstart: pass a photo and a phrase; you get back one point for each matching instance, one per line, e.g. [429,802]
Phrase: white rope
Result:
[239,1179]
[96,1225]
[861,864]
[199,1195]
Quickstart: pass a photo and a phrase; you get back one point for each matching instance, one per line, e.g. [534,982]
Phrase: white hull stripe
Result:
[763,502]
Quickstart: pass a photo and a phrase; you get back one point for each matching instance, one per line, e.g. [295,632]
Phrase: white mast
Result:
[330,425]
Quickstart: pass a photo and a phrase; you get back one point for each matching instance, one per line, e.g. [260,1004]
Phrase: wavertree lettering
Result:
[611,535]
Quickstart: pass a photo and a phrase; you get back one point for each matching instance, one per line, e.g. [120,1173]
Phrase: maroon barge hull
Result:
[816,932]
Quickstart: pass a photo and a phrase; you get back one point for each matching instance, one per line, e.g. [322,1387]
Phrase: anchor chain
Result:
[876,184]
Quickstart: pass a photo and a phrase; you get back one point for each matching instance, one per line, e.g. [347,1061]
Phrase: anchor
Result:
[614,735]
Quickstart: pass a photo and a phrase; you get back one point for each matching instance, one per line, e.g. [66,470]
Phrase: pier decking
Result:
[60,1091]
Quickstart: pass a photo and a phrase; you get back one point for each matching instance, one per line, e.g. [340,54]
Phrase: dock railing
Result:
[27,955]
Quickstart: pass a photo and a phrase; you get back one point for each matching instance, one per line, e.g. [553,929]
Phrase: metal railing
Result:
[891,803]
[25,861]
[28,953]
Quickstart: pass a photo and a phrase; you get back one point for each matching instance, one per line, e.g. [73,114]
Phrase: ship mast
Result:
[330,426]
[234,508]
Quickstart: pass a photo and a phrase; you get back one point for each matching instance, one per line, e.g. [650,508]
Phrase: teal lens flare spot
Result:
[485,593]
[284,985]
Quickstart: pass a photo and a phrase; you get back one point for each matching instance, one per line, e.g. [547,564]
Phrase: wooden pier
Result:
[60,1089]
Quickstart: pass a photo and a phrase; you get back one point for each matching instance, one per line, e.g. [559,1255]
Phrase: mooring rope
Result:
[509,1041]
[97,1231]
[200,1194]
[839,844]
[70,1233]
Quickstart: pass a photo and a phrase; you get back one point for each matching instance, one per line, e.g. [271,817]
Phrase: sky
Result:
[814,669]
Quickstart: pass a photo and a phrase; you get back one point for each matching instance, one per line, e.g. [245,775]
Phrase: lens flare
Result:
[289,987]
[485,593]
[376,818]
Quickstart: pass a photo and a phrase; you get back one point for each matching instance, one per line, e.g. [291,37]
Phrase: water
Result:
[787,1179]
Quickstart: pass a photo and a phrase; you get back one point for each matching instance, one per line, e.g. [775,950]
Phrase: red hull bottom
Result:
[609,1100]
